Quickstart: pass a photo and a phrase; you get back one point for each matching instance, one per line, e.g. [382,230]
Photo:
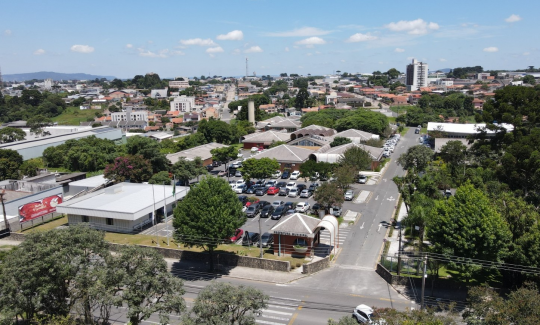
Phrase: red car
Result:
[273,191]
[237,235]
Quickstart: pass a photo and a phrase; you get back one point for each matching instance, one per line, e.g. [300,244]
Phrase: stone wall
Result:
[316,266]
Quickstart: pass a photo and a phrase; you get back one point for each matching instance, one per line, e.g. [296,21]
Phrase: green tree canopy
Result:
[9,134]
[160,178]
[134,168]
[417,158]
[254,168]
[187,170]
[338,141]
[329,194]
[208,214]
[150,150]
[302,97]
[356,159]
[10,161]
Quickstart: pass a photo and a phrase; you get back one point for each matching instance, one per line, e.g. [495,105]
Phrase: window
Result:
[110,221]
[85,219]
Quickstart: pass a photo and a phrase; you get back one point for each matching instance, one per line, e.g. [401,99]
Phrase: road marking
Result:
[362,226]
[280,298]
[274,317]
[276,312]
[377,198]
[265,322]
[281,307]
[293,318]
[391,198]
[384,179]
[281,285]
[379,230]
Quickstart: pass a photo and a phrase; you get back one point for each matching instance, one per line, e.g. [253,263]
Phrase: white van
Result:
[295,175]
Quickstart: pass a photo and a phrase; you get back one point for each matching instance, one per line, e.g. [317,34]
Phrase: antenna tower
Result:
[246,67]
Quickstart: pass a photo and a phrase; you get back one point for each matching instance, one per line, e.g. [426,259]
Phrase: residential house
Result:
[202,151]
[264,139]
[288,157]
[159,93]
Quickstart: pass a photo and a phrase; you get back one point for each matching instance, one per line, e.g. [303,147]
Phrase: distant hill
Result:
[446,70]
[52,75]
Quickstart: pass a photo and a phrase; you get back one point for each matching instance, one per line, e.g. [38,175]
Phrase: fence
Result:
[409,265]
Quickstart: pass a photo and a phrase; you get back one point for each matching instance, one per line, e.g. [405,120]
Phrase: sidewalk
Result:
[8,242]
[394,240]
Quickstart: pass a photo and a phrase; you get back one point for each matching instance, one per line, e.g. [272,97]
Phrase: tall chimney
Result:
[251,112]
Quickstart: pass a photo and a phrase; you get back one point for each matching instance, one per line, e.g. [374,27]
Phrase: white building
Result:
[48,84]
[417,75]
[159,93]
[181,84]
[129,115]
[183,104]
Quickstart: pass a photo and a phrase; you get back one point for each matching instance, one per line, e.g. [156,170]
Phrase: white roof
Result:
[160,135]
[462,128]
[126,201]
[90,182]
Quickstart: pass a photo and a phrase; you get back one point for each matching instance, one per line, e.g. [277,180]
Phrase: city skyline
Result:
[211,38]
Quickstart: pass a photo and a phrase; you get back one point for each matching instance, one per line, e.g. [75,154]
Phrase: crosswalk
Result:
[279,311]
[343,233]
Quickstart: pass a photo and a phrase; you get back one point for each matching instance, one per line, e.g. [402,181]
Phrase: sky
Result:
[194,38]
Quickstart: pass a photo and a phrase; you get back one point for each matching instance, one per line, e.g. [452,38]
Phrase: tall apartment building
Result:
[417,75]
[183,104]
[129,115]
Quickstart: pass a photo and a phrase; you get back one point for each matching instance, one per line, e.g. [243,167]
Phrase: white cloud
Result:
[442,60]
[342,61]
[235,35]
[150,54]
[526,53]
[39,52]
[301,32]
[359,37]
[413,27]
[129,46]
[253,49]
[398,50]
[7,32]
[286,49]
[310,41]
[198,41]
[82,48]
[513,18]
[236,51]
[216,49]
[491,49]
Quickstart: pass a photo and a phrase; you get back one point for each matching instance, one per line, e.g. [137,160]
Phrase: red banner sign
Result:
[39,208]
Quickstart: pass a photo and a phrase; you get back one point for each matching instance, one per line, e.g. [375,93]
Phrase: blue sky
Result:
[181,38]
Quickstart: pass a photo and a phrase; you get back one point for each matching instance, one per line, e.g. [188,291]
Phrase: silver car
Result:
[349,195]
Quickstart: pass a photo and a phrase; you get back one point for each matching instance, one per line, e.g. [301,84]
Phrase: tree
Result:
[454,153]
[9,134]
[224,303]
[338,141]
[393,73]
[224,154]
[258,168]
[160,178]
[150,150]
[487,307]
[215,131]
[146,285]
[345,176]
[187,170]
[136,169]
[37,123]
[356,159]
[529,79]
[30,167]
[416,158]
[209,213]
[363,120]
[468,226]
[329,194]
[301,100]
[10,161]
[276,144]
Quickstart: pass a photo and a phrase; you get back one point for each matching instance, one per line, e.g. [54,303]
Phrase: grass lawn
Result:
[405,130]
[73,116]
[391,120]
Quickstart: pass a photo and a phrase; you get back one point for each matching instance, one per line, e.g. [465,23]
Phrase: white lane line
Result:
[276,312]
[281,298]
[274,317]
[265,322]
[281,307]
[282,303]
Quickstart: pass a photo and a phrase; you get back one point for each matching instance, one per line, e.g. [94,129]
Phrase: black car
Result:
[313,187]
[253,210]
[262,204]
[261,182]
[285,175]
[281,184]
[289,206]
[267,239]
[279,212]
[261,191]
[209,168]
[243,199]
[252,189]
[316,207]
[250,238]
[301,187]
[216,163]
[267,211]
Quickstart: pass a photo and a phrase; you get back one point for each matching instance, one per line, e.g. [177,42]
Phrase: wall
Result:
[284,245]
[316,266]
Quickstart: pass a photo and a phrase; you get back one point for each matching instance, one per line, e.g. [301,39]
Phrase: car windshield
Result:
[251,208]
[294,190]
[265,237]
[279,209]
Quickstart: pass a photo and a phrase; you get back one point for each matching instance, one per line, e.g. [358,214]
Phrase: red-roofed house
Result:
[478,104]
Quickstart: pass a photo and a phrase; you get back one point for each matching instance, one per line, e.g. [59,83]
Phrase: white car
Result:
[293,192]
[239,189]
[277,174]
[291,185]
[271,183]
[386,153]
[364,314]
[302,207]
[295,174]
[239,182]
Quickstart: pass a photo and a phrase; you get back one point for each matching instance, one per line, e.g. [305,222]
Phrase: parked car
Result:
[291,185]
[289,212]
[306,194]
[250,238]
[293,192]
[417,131]
[281,184]
[278,212]
[286,174]
[267,211]
[271,183]
[239,189]
[243,199]
[295,175]
[362,179]
[252,211]
[336,211]
[276,174]
[447,193]
[261,182]
[261,191]
[313,186]
[238,173]
[349,195]
[216,163]
[364,315]
[239,182]
[302,207]
[315,208]
[289,205]
[209,168]
[252,189]
[283,191]
[262,204]
[314,177]
[267,239]
[272,191]
[386,153]
[238,233]
[276,204]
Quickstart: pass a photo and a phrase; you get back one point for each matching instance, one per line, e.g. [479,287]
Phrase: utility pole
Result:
[2,193]
[424,282]
[260,237]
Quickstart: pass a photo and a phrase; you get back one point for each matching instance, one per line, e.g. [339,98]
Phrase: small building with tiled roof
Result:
[288,157]
[202,151]
[316,130]
[297,234]
[286,125]
[332,155]
[264,139]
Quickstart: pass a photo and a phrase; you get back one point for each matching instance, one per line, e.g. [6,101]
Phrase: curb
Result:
[387,230]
